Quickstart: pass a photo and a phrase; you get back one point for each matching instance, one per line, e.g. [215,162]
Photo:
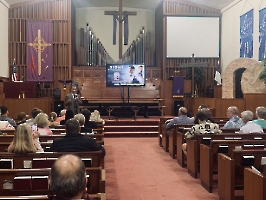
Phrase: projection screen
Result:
[193,35]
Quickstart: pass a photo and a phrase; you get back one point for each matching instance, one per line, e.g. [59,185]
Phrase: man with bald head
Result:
[234,120]
[181,119]
[68,179]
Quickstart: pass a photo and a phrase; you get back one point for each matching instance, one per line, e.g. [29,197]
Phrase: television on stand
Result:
[128,75]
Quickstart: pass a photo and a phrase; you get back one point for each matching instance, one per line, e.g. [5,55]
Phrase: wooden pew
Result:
[96,180]
[231,172]
[58,131]
[162,138]
[208,157]
[193,147]
[254,184]
[45,138]
[99,196]
[179,151]
[173,135]
[18,159]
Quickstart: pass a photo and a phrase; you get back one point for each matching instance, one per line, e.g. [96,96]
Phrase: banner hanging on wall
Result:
[39,51]
[246,34]
[262,32]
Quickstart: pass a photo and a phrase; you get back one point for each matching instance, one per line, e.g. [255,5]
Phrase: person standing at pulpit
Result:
[73,100]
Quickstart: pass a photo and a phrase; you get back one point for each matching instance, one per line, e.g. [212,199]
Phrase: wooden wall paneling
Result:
[217,91]
[25,105]
[253,101]
[209,102]
[166,93]
[221,106]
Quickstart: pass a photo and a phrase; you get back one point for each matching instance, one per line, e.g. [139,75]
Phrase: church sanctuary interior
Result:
[136,65]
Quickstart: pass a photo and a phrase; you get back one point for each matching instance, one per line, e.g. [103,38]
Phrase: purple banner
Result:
[39,51]
[178,86]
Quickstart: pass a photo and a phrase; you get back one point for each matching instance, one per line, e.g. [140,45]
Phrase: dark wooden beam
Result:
[112,12]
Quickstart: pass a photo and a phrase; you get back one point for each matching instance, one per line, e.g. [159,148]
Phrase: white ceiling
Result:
[146,4]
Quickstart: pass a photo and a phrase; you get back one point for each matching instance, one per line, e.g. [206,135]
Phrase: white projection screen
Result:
[193,35]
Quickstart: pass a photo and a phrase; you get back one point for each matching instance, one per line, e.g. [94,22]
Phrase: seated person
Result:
[208,113]
[261,115]
[234,120]
[202,106]
[181,119]
[250,126]
[52,119]
[81,119]
[69,115]
[34,113]
[42,122]
[4,116]
[62,116]
[88,123]
[23,140]
[68,172]
[74,141]
[95,116]
[204,127]
[22,118]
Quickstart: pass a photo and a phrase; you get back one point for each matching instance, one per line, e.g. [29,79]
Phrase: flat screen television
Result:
[118,75]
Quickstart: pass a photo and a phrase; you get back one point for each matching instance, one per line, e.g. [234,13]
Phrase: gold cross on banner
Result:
[39,45]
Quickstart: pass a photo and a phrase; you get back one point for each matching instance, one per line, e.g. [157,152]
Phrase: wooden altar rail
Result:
[16,106]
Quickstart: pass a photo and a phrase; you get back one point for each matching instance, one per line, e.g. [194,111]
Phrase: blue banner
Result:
[262,31]
[246,35]
[178,86]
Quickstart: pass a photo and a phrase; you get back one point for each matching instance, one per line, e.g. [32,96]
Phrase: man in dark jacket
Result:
[74,141]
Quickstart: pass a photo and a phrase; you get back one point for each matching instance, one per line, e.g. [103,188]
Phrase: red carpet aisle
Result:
[138,169]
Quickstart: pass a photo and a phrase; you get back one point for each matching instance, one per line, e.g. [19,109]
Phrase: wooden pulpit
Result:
[13,89]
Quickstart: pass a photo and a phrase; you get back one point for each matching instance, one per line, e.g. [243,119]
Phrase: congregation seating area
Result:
[220,161]
[27,174]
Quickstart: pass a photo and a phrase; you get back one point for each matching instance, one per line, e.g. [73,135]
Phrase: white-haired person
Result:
[234,120]
[250,126]
[81,119]
[261,115]
[62,116]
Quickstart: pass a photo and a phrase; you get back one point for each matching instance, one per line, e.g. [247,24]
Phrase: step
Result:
[130,123]
[131,134]
[130,128]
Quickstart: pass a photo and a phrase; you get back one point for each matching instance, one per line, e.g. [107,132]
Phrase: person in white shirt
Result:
[250,126]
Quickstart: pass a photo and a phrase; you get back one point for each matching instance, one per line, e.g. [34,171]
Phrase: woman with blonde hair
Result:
[42,122]
[23,140]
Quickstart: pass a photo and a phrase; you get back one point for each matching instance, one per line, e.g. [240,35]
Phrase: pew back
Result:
[19,160]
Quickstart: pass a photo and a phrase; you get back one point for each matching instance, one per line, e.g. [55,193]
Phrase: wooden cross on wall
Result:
[120,20]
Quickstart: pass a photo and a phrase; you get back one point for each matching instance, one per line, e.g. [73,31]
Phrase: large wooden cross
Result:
[120,20]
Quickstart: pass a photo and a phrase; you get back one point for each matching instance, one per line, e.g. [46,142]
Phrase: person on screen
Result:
[130,76]
[140,76]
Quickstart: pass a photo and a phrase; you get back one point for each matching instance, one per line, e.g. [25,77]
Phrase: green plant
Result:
[262,75]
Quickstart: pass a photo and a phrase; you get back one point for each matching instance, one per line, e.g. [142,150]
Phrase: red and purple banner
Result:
[39,51]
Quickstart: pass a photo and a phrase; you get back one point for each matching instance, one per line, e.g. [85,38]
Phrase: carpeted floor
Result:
[138,169]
